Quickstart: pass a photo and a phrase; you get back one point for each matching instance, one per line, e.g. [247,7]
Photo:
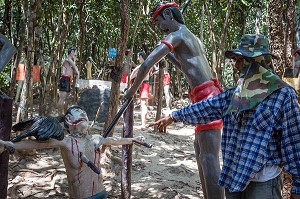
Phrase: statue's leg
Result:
[66,102]
[5,128]
[144,111]
[167,96]
[210,144]
[197,153]
[62,102]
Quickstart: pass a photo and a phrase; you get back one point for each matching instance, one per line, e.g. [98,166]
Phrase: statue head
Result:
[142,56]
[160,8]
[71,48]
[76,120]
[127,51]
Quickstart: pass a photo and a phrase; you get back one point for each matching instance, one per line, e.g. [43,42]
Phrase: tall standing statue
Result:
[89,67]
[189,57]
[69,74]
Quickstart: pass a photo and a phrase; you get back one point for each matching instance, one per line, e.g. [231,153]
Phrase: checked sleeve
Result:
[204,111]
[291,138]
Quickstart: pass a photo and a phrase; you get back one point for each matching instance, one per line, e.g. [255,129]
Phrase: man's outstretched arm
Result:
[162,123]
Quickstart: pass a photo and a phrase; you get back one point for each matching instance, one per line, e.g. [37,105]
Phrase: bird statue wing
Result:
[42,128]
[25,124]
[50,128]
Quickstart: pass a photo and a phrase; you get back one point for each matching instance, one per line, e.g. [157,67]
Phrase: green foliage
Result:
[101,20]
[3,80]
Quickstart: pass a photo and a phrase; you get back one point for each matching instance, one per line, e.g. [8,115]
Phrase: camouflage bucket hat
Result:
[251,45]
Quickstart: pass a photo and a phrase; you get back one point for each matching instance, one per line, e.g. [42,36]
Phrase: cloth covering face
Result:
[257,83]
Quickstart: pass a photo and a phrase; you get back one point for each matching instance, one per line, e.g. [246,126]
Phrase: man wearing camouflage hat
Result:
[261,125]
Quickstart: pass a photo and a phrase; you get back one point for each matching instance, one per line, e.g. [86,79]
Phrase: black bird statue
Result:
[41,127]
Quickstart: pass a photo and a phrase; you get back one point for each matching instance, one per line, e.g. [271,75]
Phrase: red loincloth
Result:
[204,91]
[124,77]
[145,90]
[167,79]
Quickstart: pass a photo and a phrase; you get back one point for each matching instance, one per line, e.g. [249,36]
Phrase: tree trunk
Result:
[82,39]
[115,90]
[137,21]
[22,110]
[20,44]
[221,47]
[289,32]
[116,72]
[38,56]
[297,26]
[276,33]
[210,18]
[5,128]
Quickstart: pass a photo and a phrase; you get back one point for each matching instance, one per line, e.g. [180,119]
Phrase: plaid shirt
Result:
[264,136]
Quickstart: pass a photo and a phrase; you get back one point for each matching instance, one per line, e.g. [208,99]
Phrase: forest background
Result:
[43,30]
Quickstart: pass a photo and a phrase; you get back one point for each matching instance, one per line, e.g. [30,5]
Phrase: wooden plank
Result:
[5,129]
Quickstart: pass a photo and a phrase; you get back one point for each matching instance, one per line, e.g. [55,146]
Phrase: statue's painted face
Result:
[77,118]
[162,24]
[74,53]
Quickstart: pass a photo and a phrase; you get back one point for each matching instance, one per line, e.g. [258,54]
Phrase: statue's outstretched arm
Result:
[122,141]
[29,145]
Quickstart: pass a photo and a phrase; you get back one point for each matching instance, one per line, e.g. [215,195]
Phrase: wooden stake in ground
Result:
[5,129]
[127,153]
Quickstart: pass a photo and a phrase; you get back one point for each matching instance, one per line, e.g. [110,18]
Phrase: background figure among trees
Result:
[89,68]
[144,90]
[166,85]
[69,75]
[127,67]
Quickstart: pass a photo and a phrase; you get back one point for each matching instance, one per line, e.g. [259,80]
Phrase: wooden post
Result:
[160,93]
[127,153]
[5,128]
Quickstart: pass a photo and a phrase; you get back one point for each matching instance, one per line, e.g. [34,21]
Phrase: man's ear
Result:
[168,14]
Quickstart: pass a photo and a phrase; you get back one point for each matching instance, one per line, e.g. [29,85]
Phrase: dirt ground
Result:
[167,170]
